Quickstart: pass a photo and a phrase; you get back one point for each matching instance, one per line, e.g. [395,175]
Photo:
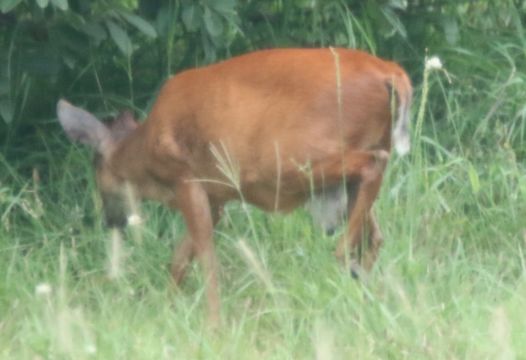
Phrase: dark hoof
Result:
[357,272]
[355,275]
[330,231]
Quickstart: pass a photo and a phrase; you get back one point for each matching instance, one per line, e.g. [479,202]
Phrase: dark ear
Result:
[81,126]
[123,125]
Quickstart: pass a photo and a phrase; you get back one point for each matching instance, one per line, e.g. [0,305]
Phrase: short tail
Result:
[404,93]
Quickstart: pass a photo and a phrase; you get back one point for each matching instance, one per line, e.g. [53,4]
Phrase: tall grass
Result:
[449,283]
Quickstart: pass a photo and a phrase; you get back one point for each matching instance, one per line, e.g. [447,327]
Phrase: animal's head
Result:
[83,127]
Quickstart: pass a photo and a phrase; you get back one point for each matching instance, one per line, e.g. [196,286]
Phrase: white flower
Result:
[134,219]
[43,289]
[433,63]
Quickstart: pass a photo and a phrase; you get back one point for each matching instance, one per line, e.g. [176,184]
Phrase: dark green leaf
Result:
[65,39]
[43,3]
[4,86]
[213,23]
[164,21]
[398,4]
[209,48]
[394,21]
[40,60]
[6,111]
[120,37]
[8,5]
[61,4]
[95,31]
[192,15]
[142,25]
[224,7]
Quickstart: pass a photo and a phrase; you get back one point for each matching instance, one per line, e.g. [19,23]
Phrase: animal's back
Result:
[287,98]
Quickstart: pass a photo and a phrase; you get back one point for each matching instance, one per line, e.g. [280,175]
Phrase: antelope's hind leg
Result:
[371,242]
[359,246]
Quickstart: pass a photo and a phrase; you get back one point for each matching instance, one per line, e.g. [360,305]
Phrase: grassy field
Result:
[449,284]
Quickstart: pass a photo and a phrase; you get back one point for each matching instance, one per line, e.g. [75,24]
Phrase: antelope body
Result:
[272,127]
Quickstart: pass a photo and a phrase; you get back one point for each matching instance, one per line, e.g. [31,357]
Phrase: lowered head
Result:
[83,127]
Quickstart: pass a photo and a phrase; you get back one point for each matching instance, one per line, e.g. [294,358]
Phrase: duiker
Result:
[291,123]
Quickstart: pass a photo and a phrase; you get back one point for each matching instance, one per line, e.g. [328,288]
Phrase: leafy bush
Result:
[110,54]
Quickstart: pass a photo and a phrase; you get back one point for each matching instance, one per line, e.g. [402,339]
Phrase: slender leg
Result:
[184,252]
[182,257]
[373,243]
[193,202]
[371,235]
[369,166]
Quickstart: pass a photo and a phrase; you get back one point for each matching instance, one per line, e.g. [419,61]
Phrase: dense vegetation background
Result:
[450,282]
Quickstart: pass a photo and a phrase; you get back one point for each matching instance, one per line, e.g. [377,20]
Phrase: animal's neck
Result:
[130,157]
[133,162]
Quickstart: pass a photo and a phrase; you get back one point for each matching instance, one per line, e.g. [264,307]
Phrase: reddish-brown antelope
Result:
[291,124]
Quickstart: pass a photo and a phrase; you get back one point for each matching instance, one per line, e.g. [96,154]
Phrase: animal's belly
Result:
[273,199]
[328,207]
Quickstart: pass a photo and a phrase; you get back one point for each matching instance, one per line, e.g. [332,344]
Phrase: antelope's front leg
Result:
[184,252]
[192,201]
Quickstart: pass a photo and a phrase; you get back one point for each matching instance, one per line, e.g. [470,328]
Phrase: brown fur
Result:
[287,120]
